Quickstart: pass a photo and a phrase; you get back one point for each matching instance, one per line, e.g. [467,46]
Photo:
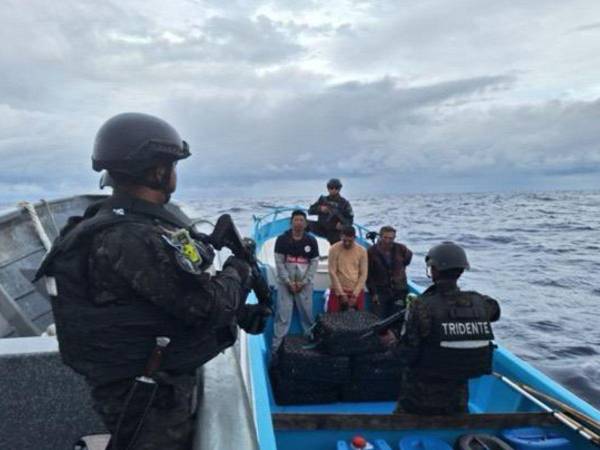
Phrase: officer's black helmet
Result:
[334,183]
[447,255]
[133,142]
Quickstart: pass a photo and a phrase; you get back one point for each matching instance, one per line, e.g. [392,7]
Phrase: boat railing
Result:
[261,223]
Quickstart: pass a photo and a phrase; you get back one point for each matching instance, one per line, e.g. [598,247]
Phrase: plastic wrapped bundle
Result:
[377,366]
[302,392]
[297,361]
[340,333]
[371,391]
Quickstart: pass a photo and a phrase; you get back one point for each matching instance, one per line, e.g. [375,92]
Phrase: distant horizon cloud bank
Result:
[278,96]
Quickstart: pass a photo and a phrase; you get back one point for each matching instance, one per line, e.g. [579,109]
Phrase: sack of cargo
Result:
[298,359]
[340,333]
[371,391]
[377,366]
[302,392]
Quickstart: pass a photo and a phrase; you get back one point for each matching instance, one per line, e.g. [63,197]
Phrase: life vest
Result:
[459,345]
[114,341]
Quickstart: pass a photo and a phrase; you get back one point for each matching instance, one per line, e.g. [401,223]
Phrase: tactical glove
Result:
[253,318]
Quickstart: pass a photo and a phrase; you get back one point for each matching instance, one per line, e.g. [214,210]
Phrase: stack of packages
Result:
[344,366]
[305,375]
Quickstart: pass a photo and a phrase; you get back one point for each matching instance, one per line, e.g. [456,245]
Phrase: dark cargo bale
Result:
[310,364]
[377,366]
[302,392]
[340,333]
[371,391]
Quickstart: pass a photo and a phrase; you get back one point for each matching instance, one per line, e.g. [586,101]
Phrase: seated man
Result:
[387,272]
[296,258]
[446,338]
[334,212]
[348,268]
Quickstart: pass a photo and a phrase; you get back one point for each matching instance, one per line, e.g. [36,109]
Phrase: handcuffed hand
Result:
[291,286]
[352,300]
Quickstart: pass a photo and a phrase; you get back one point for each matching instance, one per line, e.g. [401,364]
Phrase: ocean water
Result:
[538,254]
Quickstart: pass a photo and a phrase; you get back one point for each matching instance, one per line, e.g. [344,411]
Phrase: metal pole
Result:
[574,425]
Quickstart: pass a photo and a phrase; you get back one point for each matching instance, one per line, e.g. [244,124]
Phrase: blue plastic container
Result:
[422,442]
[534,438]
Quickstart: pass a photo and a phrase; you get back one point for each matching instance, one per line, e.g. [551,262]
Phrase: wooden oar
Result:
[588,434]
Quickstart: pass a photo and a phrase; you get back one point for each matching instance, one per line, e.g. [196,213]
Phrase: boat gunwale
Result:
[339,421]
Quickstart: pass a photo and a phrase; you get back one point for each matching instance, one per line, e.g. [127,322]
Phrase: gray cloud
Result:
[298,90]
[589,27]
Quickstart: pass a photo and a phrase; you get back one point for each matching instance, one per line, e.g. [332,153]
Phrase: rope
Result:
[50,282]
[54,225]
[37,224]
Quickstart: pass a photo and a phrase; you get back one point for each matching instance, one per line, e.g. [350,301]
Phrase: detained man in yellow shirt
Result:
[348,266]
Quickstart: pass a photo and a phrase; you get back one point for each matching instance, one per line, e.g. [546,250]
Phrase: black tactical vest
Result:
[460,342]
[114,341]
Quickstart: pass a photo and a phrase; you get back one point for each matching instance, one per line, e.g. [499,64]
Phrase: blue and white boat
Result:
[46,406]
[497,402]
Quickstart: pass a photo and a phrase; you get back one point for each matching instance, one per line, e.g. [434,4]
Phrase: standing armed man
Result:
[447,338]
[129,271]
[334,213]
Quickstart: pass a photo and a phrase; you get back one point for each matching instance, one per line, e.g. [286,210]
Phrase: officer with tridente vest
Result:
[446,338]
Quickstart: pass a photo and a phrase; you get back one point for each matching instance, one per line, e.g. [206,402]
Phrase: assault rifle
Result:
[225,234]
[334,211]
[385,324]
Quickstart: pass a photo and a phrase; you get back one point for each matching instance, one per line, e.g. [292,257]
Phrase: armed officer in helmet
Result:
[131,270]
[334,213]
[447,338]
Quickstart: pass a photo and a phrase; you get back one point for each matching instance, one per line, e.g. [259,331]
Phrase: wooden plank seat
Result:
[296,421]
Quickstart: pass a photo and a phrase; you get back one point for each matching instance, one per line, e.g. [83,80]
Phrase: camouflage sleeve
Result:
[136,255]
[418,323]
[314,208]
[493,308]
[416,326]
[348,213]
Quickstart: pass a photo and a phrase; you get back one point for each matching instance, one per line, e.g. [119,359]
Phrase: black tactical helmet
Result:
[447,255]
[133,142]
[334,183]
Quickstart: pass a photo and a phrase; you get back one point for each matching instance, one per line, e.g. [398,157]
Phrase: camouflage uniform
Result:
[170,421]
[423,392]
[132,262]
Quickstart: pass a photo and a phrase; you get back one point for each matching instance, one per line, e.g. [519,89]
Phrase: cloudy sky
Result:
[274,97]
